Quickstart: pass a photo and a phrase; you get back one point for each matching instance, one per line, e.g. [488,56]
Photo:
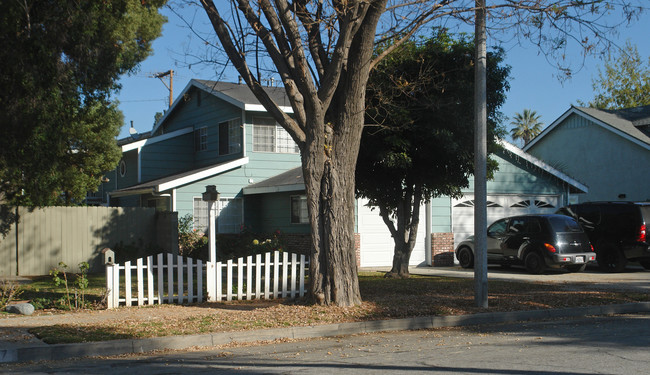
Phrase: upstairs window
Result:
[230,137]
[201,139]
[268,136]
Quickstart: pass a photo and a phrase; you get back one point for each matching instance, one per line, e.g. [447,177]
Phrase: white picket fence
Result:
[182,280]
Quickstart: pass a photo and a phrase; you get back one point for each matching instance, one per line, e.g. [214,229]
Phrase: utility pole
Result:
[170,87]
[480,159]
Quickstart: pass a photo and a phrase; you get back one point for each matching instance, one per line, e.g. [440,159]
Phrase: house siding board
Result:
[131,177]
[441,215]
[273,212]
[517,176]
[168,157]
[596,157]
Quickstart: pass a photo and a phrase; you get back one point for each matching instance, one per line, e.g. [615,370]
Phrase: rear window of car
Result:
[564,224]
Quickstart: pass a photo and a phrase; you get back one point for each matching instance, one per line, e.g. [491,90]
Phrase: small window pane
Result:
[299,214]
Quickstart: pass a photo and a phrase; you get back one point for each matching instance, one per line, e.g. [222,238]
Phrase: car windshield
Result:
[564,224]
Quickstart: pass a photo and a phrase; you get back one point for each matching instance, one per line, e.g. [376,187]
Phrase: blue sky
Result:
[533,81]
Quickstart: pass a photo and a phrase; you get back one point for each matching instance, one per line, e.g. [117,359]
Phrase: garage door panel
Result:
[377,245]
[499,206]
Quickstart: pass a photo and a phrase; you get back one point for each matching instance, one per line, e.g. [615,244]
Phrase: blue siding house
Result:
[217,133]
[609,150]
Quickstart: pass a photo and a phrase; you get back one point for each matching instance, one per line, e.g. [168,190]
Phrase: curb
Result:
[117,347]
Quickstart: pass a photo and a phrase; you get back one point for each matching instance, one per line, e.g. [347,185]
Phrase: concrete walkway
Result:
[638,280]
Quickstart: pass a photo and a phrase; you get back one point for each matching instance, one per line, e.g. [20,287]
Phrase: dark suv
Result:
[617,230]
[535,241]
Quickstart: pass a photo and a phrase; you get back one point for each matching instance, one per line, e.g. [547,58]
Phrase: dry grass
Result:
[383,299]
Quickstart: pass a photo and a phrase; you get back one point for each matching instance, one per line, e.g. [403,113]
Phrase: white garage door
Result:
[377,245]
[498,206]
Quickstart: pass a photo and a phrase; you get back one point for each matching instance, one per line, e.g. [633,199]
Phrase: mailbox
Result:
[211,194]
[109,256]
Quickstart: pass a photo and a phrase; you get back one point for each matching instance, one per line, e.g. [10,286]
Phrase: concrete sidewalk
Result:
[35,350]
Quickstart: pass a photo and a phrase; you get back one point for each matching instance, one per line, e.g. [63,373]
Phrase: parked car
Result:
[534,241]
[617,230]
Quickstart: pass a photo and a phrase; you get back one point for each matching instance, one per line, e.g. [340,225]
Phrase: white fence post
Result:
[249,276]
[199,281]
[161,290]
[109,287]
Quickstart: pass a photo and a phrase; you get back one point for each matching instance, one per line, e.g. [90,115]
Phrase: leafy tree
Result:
[419,134]
[625,83]
[322,53]
[526,126]
[60,64]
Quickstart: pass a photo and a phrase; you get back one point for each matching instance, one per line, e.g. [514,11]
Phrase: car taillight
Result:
[592,247]
[642,236]
[550,248]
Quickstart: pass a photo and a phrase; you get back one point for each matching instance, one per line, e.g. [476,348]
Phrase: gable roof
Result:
[292,180]
[576,185]
[174,181]
[238,95]
[626,123]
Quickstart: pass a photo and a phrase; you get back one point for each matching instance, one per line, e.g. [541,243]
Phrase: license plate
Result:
[580,259]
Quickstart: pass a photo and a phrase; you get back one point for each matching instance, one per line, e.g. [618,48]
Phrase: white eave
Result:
[138,144]
[543,166]
[202,174]
[273,189]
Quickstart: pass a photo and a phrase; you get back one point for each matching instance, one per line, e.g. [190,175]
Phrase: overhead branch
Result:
[242,67]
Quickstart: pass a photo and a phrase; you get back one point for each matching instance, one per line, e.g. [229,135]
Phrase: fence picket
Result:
[267,275]
[190,281]
[271,270]
[199,281]
[276,273]
[219,282]
[294,265]
[150,296]
[302,275]
[170,278]
[285,266]
[161,291]
[180,279]
[229,280]
[127,283]
[249,276]
[140,283]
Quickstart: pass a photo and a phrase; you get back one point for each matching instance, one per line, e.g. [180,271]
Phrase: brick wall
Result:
[442,249]
[357,248]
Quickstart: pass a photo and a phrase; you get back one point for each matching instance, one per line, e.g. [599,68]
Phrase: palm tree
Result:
[526,126]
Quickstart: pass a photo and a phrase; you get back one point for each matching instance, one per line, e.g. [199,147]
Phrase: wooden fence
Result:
[174,279]
[43,237]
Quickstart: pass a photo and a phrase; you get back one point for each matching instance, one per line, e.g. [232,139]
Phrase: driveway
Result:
[635,278]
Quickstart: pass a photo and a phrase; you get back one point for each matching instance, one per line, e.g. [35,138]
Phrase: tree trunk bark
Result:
[405,235]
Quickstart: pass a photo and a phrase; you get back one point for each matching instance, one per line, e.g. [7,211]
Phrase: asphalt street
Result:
[590,345]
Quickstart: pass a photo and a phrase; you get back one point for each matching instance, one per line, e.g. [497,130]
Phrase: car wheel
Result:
[610,258]
[466,258]
[576,267]
[645,264]
[534,263]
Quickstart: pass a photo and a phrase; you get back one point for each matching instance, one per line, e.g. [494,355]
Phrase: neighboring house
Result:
[219,134]
[609,150]
[522,185]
